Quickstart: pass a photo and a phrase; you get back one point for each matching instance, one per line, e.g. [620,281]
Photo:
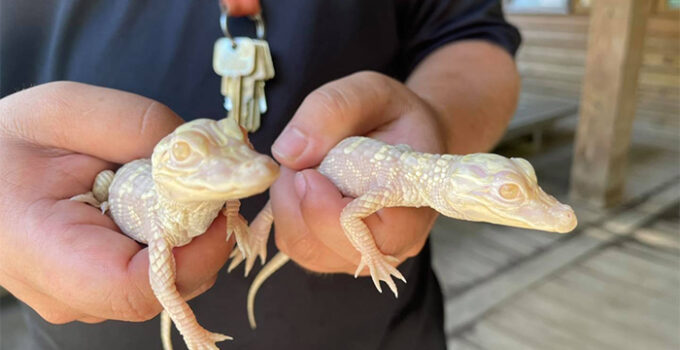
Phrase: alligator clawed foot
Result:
[381,269]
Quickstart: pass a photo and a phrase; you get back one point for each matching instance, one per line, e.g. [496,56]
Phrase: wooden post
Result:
[615,44]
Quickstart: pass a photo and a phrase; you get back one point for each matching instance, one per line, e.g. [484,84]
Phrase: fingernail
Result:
[290,145]
[300,184]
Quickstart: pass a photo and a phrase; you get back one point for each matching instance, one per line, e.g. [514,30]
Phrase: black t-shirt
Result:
[162,49]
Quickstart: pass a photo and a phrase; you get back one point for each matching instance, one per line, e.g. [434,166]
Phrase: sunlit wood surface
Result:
[612,284]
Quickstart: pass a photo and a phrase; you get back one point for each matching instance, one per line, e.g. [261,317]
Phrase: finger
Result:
[401,231]
[321,206]
[111,270]
[91,319]
[201,289]
[397,231]
[49,308]
[238,8]
[349,106]
[98,280]
[110,124]
[199,263]
[291,233]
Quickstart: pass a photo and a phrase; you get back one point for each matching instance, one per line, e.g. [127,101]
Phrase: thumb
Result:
[321,206]
[199,263]
[110,124]
[354,105]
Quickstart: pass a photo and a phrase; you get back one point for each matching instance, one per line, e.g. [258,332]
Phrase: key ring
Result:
[257,18]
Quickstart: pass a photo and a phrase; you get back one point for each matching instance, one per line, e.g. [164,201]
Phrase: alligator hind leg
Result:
[99,195]
[162,279]
[380,265]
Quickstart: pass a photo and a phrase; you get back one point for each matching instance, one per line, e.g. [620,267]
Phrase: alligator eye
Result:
[181,150]
[509,191]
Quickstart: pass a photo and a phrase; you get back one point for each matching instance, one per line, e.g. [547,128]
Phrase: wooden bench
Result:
[535,113]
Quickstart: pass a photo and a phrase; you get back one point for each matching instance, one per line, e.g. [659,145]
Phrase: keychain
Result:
[244,65]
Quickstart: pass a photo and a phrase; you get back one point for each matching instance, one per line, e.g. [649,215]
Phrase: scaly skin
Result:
[474,187]
[168,200]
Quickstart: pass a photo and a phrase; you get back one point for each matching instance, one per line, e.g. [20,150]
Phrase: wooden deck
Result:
[612,284]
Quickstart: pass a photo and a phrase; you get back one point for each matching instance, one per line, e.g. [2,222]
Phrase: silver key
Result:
[264,70]
[233,59]
[247,97]
[231,89]
[244,65]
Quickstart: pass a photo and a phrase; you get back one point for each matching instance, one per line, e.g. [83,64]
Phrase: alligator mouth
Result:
[546,218]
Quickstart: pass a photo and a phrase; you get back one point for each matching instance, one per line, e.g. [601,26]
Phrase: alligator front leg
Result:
[257,240]
[237,225]
[162,279]
[351,219]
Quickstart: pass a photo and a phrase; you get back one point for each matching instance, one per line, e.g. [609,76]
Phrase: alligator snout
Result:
[565,218]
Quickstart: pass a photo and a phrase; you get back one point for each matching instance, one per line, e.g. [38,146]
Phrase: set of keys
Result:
[244,65]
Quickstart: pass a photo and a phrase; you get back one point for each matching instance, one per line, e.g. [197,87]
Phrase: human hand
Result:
[307,206]
[63,258]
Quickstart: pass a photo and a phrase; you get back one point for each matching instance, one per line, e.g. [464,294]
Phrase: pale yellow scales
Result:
[173,197]
[168,200]
[475,187]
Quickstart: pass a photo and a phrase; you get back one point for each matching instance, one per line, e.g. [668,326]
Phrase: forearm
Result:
[473,87]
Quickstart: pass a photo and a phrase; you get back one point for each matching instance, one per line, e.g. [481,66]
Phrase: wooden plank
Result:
[474,302]
[455,343]
[664,79]
[468,306]
[662,45]
[572,321]
[538,115]
[656,253]
[536,331]
[630,268]
[632,287]
[540,21]
[651,59]
[597,312]
[655,96]
[608,100]
[490,336]
[668,27]
[617,304]
[664,139]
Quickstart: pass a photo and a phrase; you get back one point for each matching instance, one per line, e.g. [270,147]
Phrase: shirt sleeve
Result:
[429,24]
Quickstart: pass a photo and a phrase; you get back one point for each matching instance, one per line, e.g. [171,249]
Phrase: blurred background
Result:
[599,118]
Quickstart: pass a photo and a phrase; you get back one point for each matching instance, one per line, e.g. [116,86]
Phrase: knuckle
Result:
[134,304]
[375,81]
[331,100]
[368,76]
[59,85]
[209,284]
[140,311]
[56,317]
[149,116]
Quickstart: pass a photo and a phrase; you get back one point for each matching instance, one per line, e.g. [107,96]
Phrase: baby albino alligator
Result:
[475,187]
[168,200]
